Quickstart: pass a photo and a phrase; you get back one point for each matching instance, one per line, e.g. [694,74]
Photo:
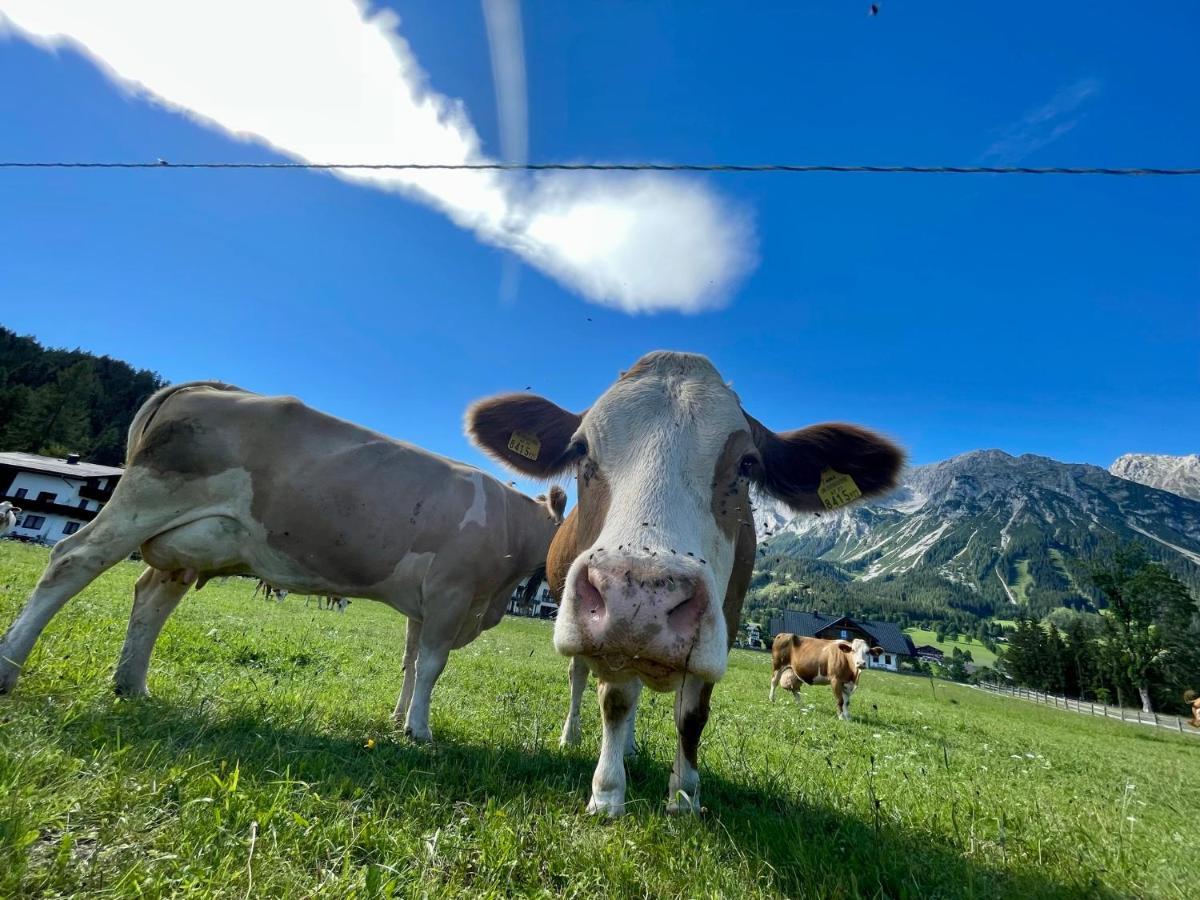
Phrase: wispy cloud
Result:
[1043,125]
[334,81]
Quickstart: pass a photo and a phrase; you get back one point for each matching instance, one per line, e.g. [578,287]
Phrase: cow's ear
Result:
[845,647]
[528,434]
[876,651]
[793,462]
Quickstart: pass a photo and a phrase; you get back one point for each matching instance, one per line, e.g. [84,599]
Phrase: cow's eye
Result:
[577,449]
[748,465]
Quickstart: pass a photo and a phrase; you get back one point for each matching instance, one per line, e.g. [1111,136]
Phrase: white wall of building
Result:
[53,526]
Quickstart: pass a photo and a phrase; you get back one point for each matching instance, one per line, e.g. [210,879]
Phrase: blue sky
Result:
[1050,316]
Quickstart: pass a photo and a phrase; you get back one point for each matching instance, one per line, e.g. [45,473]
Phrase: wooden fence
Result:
[1159,720]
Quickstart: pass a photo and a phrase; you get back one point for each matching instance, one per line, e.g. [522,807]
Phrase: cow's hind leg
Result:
[775,676]
[412,642]
[155,597]
[618,706]
[577,674]
[691,715]
[75,562]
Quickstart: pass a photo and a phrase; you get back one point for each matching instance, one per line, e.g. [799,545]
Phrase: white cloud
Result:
[1043,125]
[331,81]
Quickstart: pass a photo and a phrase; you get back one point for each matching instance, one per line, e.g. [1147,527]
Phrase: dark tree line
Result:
[57,402]
[1143,647]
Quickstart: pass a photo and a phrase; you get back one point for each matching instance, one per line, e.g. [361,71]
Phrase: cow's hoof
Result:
[419,735]
[683,804]
[611,808]
[570,738]
[131,691]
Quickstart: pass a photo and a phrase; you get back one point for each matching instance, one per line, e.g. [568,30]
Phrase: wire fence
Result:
[1133,716]
[1134,172]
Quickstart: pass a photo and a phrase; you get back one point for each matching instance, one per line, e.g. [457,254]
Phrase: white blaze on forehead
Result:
[657,437]
[476,514]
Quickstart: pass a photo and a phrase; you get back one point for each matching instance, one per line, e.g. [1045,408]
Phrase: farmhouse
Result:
[895,643]
[57,496]
[532,600]
[930,653]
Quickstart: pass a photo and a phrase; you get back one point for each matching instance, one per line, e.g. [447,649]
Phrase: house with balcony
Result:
[56,497]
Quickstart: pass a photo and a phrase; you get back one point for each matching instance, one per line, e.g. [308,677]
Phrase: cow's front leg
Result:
[577,674]
[412,643]
[431,660]
[691,715]
[618,706]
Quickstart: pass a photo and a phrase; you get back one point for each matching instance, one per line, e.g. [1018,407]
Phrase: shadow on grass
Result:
[813,849]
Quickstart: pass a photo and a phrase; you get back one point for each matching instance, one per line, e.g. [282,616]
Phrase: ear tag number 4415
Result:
[526,445]
[837,489]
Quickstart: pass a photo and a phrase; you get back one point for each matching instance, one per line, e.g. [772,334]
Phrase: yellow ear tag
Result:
[525,445]
[837,489]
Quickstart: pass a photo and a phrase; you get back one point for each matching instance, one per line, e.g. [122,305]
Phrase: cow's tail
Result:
[149,409]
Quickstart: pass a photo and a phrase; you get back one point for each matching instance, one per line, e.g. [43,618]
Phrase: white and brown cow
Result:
[222,481]
[652,565]
[799,660]
[8,517]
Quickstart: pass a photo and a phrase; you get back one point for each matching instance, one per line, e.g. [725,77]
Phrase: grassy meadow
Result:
[266,766]
[979,653]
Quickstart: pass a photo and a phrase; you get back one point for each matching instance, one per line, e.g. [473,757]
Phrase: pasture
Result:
[981,655]
[266,765]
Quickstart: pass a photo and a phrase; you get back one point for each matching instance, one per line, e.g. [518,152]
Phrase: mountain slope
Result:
[997,531]
[1177,474]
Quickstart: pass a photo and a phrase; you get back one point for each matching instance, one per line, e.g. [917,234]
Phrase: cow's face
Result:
[664,460]
[864,652]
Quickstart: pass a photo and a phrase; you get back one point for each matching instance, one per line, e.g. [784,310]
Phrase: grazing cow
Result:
[8,517]
[807,660]
[652,565]
[222,481]
[269,592]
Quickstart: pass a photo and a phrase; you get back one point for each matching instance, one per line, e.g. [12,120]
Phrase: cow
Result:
[651,567]
[1192,699]
[796,660]
[9,515]
[221,481]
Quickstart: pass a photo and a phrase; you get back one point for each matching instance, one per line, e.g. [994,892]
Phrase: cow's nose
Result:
[636,606]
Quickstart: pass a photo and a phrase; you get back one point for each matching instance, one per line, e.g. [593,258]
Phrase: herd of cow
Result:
[650,568]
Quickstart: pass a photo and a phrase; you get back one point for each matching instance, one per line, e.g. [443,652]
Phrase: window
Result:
[83,504]
[71,528]
[844,634]
[46,497]
[33,522]
[887,660]
[22,493]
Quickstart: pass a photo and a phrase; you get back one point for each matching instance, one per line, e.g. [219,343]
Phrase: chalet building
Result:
[529,599]
[895,643]
[57,496]
[930,653]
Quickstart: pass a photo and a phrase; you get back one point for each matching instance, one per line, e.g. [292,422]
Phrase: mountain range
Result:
[993,533]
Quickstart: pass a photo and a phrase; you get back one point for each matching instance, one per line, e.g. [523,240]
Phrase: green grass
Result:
[979,653]
[264,713]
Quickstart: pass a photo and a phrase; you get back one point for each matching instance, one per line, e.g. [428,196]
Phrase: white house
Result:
[56,496]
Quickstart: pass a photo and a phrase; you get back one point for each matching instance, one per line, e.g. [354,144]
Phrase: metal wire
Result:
[1139,172]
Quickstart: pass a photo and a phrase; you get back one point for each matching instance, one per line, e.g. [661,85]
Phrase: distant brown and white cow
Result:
[8,517]
[652,564]
[799,660]
[221,481]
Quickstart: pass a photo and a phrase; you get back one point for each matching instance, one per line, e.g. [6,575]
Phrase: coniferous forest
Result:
[55,401]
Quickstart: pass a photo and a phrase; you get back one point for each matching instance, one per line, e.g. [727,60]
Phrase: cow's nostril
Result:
[590,600]
[684,618]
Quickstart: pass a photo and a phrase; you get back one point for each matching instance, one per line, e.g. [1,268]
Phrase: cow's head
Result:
[663,527]
[860,650]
